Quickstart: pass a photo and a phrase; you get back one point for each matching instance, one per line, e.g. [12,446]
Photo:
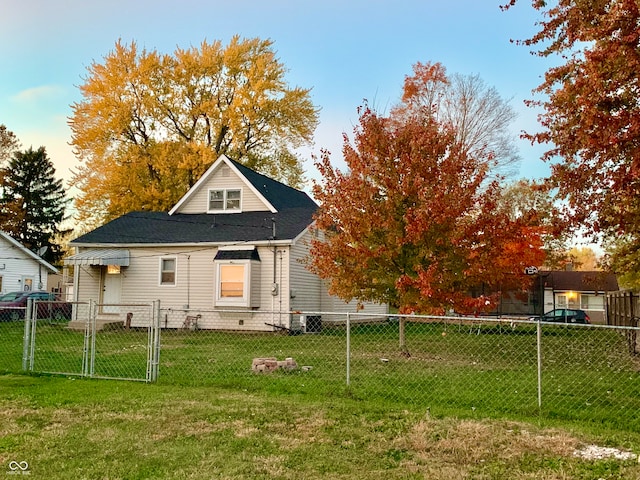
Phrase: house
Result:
[231,250]
[574,289]
[20,268]
[560,289]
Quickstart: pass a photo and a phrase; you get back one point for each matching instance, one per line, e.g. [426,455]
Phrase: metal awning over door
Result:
[100,256]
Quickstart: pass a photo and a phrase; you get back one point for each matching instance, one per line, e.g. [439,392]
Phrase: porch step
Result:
[106,322]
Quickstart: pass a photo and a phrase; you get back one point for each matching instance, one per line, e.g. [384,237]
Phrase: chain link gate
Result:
[121,344]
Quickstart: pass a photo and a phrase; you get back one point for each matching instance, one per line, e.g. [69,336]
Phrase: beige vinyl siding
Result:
[306,286]
[87,286]
[199,201]
[194,291]
[194,277]
[274,304]
[311,294]
[255,290]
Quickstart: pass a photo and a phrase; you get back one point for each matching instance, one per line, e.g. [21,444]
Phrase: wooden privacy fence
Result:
[623,310]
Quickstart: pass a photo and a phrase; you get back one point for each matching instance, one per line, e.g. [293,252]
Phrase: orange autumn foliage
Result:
[150,124]
[591,117]
[414,222]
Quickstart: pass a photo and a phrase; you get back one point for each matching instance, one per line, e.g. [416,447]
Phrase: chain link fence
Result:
[491,366]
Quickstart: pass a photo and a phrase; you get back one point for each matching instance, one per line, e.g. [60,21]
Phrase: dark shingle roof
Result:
[295,211]
[162,228]
[594,281]
[278,194]
[238,255]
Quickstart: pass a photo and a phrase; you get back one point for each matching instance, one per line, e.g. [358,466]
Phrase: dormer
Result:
[229,187]
[223,189]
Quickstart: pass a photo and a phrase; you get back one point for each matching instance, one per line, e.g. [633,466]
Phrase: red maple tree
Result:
[414,222]
[591,117]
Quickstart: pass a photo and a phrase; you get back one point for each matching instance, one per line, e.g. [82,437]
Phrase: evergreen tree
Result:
[33,202]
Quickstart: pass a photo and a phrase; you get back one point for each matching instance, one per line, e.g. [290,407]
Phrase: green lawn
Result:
[587,374]
[89,429]
[458,402]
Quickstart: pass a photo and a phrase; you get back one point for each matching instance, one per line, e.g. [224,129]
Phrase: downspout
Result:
[273,284]
[188,281]
[273,237]
[279,292]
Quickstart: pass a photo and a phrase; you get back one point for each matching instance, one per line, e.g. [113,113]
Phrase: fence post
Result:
[633,323]
[31,317]
[92,338]
[26,340]
[85,345]
[401,325]
[539,344]
[155,342]
[348,349]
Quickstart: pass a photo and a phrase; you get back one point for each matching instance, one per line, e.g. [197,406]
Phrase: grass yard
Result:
[460,401]
[95,429]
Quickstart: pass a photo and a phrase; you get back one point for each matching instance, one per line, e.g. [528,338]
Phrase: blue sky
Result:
[346,51]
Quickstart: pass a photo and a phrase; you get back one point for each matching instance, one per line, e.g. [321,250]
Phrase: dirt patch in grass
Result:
[462,449]
[467,441]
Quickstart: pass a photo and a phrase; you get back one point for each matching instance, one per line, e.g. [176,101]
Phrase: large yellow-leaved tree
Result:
[150,124]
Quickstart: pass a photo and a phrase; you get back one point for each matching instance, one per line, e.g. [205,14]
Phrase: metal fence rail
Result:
[489,365]
[89,343]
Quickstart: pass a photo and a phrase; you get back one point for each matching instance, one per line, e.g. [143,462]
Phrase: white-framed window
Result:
[584,302]
[233,283]
[561,301]
[225,200]
[168,267]
[592,302]
[27,284]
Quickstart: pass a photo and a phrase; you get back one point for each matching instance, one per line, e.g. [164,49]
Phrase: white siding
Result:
[311,293]
[334,304]
[255,290]
[306,286]
[549,301]
[194,277]
[296,289]
[87,283]
[276,301]
[199,201]
[195,283]
[16,266]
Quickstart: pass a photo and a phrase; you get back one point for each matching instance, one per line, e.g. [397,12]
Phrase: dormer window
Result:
[227,200]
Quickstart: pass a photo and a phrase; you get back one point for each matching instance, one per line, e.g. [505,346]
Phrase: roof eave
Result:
[29,253]
[277,242]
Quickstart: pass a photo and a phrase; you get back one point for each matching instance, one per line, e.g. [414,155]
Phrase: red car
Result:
[13,306]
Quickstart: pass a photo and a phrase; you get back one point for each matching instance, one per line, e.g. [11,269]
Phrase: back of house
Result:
[230,253]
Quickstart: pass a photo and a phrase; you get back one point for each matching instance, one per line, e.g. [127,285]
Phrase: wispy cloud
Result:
[39,94]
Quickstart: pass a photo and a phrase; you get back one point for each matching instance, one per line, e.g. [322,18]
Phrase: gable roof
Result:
[274,195]
[17,245]
[289,209]
[591,281]
[160,228]
[278,194]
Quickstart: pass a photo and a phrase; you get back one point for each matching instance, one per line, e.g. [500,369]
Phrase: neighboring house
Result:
[20,268]
[235,241]
[574,289]
[560,289]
